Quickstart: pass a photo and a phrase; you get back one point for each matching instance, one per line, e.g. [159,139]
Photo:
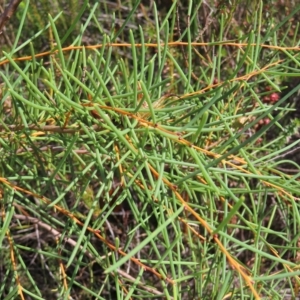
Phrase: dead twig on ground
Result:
[9,11]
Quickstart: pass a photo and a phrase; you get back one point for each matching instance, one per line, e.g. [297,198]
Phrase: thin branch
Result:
[51,128]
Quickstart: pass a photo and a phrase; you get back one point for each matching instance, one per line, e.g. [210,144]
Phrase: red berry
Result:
[274,97]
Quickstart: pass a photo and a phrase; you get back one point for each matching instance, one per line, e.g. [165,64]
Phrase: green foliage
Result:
[138,170]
